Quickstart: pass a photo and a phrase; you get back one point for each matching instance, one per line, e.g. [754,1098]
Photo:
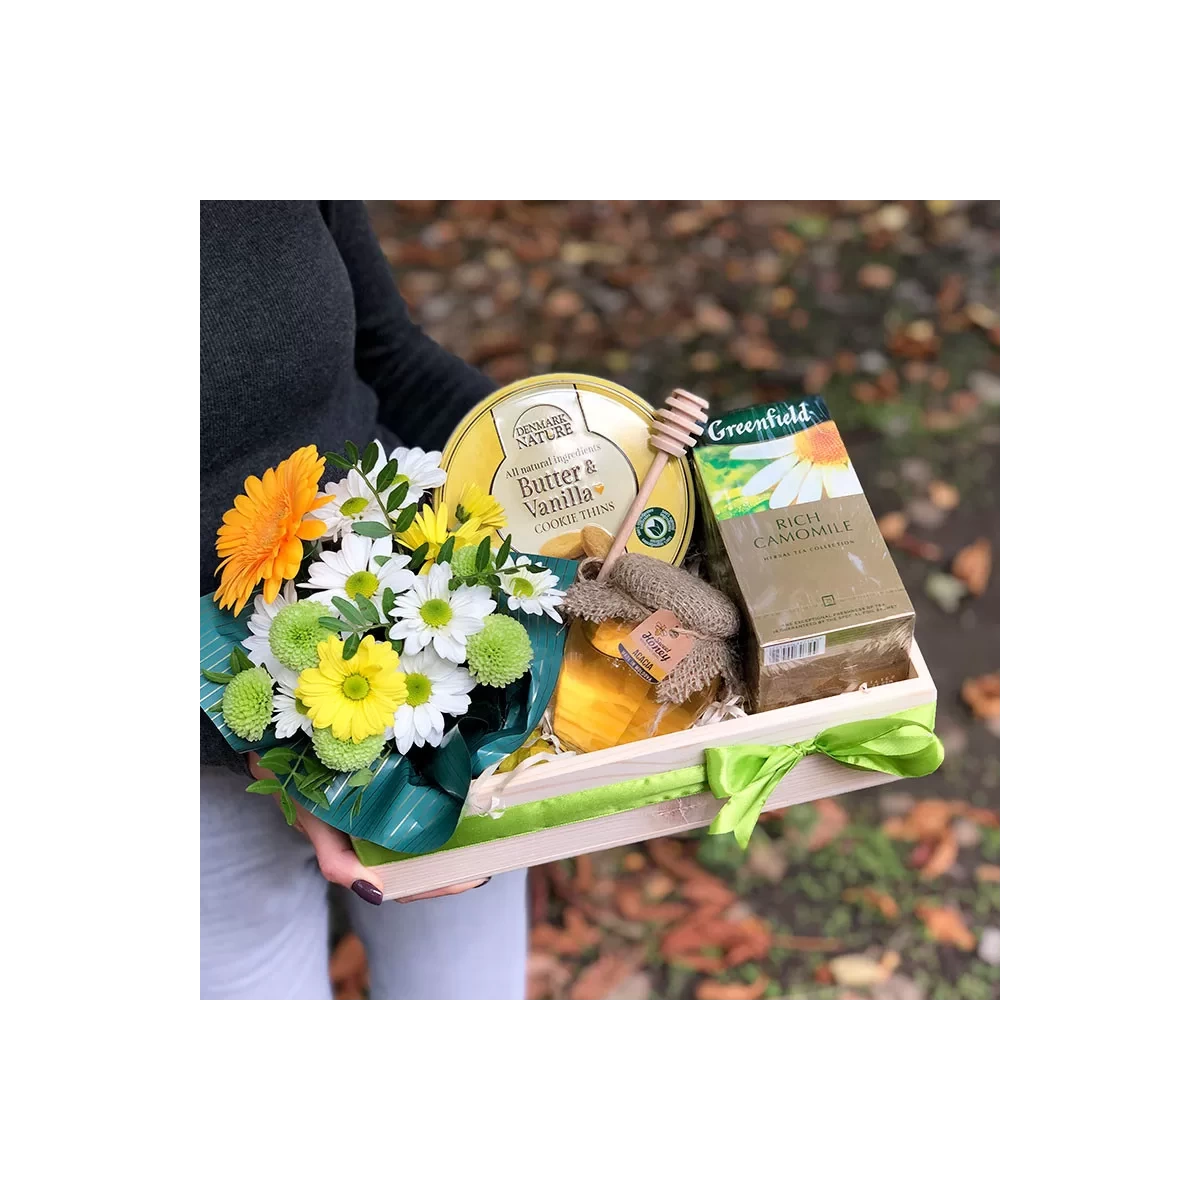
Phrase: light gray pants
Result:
[264,918]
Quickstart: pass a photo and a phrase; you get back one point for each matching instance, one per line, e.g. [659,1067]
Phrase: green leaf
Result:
[534,568]
[337,460]
[450,766]
[357,806]
[389,598]
[381,560]
[447,550]
[351,452]
[504,551]
[350,649]
[456,583]
[405,517]
[217,676]
[370,456]
[386,474]
[419,555]
[397,498]
[287,808]
[462,514]
[361,777]
[347,610]
[265,787]
[367,608]
[483,554]
[314,792]
[278,758]
[239,661]
[334,624]
[371,529]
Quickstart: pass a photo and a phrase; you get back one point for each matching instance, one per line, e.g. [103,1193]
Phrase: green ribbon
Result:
[744,776]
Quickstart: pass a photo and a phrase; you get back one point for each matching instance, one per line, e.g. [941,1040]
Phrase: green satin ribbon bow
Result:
[745,776]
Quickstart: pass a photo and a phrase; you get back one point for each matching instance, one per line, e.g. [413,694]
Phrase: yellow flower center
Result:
[521,587]
[353,506]
[419,689]
[362,583]
[822,445]
[355,687]
[436,613]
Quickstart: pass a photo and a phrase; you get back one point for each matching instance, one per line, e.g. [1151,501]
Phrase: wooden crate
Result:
[813,777]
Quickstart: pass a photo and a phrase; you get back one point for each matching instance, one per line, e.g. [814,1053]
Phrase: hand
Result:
[337,860]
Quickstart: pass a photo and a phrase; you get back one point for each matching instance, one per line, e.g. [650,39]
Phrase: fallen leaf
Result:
[633,861]
[708,890]
[348,962]
[832,819]
[766,858]
[945,591]
[989,946]
[605,974]
[635,987]
[943,856]
[892,525]
[711,990]
[881,901]
[987,873]
[897,987]
[631,905]
[546,977]
[946,925]
[585,874]
[944,495]
[973,565]
[982,696]
[658,886]
[983,816]
[918,548]
[858,970]
[823,974]
[926,820]
[876,275]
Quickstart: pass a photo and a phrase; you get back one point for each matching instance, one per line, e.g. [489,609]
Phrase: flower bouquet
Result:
[391,650]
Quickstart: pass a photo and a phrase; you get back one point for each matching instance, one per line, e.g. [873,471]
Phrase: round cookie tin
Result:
[565,455]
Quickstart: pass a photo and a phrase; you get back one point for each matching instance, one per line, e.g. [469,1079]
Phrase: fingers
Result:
[446,891]
[337,860]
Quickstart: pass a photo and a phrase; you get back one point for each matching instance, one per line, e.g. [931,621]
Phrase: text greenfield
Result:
[774,420]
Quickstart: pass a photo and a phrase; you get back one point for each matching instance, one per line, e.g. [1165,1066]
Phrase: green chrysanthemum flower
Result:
[295,635]
[346,756]
[462,562]
[247,703]
[500,652]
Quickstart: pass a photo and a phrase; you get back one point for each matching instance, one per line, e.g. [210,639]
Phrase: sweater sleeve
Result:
[423,390]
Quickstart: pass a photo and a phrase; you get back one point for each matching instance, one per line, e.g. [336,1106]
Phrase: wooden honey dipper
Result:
[673,432]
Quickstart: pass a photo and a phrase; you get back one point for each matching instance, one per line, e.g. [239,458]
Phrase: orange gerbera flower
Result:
[261,540]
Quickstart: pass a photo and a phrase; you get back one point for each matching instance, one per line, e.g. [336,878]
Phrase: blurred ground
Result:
[891,310]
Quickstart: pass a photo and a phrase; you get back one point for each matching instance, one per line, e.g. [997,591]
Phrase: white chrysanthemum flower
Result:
[352,501]
[258,648]
[291,717]
[436,689]
[355,569]
[532,591]
[431,613]
[419,469]
[804,467]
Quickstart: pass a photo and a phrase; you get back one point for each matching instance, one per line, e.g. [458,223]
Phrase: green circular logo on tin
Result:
[655,527]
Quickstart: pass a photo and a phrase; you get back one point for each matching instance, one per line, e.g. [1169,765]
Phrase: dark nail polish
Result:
[487,880]
[367,891]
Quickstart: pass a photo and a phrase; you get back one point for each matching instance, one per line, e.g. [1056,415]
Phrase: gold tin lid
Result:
[565,455]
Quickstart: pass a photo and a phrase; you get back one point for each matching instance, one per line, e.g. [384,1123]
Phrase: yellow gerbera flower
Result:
[804,467]
[353,697]
[430,526]
[261,540]
[483,507]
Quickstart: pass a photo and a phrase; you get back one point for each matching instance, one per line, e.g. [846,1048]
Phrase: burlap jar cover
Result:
[638,586]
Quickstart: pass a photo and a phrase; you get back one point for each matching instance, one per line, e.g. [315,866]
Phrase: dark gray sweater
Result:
[304,339]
